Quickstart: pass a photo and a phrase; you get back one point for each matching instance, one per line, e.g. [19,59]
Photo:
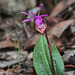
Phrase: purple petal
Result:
[41,7]
[28,20]
[43,19]
[43,15]
[24,13]
[38,21]
[33,14]
[27,14]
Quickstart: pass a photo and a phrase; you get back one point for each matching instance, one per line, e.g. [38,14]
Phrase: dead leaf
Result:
[73,28]
[10,69]
[66,66]
[10,23]
[73,46]
[51,20]
[59,28]
[6,23]
[67,55]
[69,73]
[72,60]
[11,62]
[13,55]
[7,43]
[32,41]
[61,6]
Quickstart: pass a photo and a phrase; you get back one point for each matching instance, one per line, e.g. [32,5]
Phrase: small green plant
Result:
[46,58]
[42,60]
[17,53]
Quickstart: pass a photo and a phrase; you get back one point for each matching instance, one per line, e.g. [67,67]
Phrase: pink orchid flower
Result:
[39,21]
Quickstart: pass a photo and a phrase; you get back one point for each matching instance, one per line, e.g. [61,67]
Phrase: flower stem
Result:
[49,46]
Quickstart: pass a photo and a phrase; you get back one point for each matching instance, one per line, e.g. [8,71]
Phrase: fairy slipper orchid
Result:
[39,21]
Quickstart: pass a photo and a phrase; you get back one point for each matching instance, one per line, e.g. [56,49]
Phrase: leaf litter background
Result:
[18,59]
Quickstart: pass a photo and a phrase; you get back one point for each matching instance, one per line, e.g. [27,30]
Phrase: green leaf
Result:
[42,61]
